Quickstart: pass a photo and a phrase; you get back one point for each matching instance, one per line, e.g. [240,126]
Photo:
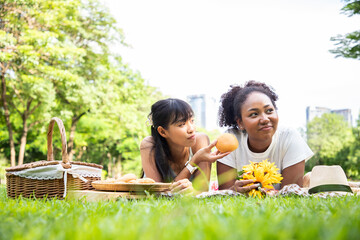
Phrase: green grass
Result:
[181,218]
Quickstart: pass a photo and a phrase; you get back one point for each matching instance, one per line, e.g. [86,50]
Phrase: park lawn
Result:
[181,218]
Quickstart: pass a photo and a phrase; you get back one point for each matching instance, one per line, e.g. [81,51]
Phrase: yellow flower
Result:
[255,193]
[251,167]
[264,173]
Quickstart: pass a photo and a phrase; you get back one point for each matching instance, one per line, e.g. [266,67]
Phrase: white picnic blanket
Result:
[288,190]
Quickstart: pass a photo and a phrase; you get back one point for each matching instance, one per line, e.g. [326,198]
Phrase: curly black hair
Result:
[232,101]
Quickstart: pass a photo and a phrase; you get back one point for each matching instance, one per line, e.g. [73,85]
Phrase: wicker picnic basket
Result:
[48,178]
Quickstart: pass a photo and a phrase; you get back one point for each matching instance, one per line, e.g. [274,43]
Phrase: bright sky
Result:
[203,46]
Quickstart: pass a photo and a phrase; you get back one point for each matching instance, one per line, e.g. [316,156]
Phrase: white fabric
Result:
[226,192]
[294,189]
[286,149]
[57,172]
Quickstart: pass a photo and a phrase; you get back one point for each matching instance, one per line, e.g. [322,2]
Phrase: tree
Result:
[348,45]
[353,163]
[119,127]
[329,136]
[30,52]
[56,60]
[93,30]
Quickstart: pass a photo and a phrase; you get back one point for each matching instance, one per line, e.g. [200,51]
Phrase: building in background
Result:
[312,112]
[205,109]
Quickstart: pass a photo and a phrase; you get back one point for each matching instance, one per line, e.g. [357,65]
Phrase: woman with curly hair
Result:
[175,152]
[250,113]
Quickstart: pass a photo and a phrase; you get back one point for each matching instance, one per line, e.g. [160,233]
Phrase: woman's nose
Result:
[264,118]
[191,127]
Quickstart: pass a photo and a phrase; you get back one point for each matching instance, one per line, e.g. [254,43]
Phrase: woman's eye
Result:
[253,115]
[270,110]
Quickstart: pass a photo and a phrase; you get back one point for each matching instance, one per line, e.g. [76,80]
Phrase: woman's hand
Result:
[240,186]
[269,192]
[183,186]
[205,154]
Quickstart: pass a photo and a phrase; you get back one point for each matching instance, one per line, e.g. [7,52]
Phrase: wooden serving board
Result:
[131,187]
[93,196]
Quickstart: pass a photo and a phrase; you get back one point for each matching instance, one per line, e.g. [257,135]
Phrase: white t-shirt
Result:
[286,149]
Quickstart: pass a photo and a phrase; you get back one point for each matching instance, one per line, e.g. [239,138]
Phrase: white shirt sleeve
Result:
[295,148]
[229,160]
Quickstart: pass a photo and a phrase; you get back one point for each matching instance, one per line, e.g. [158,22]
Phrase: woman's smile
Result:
[266,128]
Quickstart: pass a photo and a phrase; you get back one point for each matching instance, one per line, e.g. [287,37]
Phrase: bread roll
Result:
[128,177]
[145,180]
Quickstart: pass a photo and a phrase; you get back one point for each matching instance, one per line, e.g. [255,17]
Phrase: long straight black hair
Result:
[164,113]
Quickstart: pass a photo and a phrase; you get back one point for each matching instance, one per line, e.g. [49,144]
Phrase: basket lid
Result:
[87,164]
[31,165]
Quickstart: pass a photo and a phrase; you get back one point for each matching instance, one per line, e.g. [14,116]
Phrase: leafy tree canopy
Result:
[330,137]
[348,45]
[56,59]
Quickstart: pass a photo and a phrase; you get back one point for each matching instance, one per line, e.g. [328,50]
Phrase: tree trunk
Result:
[23,141]
[71,140]
[7,119]
[118,167]
[26,128]
[81,152]
[110,166]
[74,122]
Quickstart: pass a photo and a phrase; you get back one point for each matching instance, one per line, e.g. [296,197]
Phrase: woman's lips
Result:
[191,137]
[266,128]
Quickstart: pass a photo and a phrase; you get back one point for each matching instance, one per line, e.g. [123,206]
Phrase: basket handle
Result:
[64,154]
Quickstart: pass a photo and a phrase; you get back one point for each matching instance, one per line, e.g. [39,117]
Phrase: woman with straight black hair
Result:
[175,152]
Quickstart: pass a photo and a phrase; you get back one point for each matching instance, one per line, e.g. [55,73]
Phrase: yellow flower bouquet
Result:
[264,173]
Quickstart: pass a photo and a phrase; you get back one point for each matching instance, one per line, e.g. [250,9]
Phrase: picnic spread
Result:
[115,189]
[78,180]
[324,182]
[136,193]
[127,186]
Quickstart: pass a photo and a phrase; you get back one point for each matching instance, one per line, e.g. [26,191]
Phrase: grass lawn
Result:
[181,218]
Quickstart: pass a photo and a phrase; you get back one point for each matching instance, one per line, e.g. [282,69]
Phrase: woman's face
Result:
[182,133]
[259,118]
